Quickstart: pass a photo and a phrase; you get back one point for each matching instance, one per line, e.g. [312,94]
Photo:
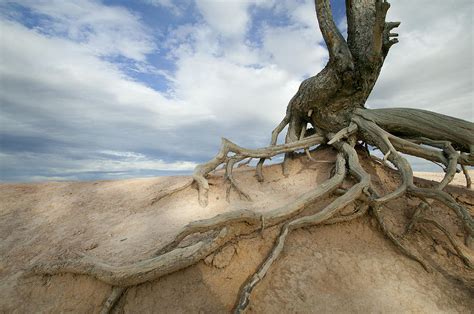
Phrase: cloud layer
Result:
[91,91]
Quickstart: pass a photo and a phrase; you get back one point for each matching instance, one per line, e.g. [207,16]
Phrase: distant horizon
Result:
[113,89]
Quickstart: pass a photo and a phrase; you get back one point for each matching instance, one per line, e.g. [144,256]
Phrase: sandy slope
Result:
[348,267]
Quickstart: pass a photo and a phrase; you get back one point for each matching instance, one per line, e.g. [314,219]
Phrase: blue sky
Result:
[115,89]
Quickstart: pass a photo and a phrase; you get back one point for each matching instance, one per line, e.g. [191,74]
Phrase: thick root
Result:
[452,158]
[381,138]
[140,272]
[209,235]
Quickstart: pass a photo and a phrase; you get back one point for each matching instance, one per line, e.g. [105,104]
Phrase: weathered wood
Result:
[333,103]
[413,123]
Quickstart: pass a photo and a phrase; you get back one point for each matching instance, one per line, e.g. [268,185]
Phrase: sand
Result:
[348,267]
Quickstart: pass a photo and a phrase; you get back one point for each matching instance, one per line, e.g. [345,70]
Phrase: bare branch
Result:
[339,52]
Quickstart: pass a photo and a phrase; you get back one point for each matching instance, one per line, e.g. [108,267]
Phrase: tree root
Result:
[382,139]
[112,300]
[230,177]
[452,157]
[166,193]
[453,242]
[328,212]
[468,177]
[227,147]
[395,241]
[208,235]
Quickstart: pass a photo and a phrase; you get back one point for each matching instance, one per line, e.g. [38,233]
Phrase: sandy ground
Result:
[347,267]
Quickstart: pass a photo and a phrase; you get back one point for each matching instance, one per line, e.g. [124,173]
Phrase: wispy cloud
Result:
[99,91]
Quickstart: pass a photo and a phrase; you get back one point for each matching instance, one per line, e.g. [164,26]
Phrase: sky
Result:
[115,89]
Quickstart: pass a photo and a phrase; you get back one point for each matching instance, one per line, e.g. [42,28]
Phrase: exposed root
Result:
[306,150]
[227,147]
[259,170]
[387,116]
[208,235]
[395,241]
[467,176]
[320,217]
[450,202]
[140,272]
[285,164]
[233,184]
[166,193]
[416,215]
[452,157]
[308,154]
[271,218]
[281,125]
[344,133]
[374,134]
[274,139]
[113,299]
[451,239]
[360,211]
[245,292]
[172,258]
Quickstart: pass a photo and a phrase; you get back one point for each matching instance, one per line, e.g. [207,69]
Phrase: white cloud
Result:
[234,93]
[104,30]
[302,13]
[228,18]
[69,96]
[175,9]
[431,68]
[67,110]
[69,82]
[295,49]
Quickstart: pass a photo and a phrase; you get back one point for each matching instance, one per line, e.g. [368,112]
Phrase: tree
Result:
[332,103]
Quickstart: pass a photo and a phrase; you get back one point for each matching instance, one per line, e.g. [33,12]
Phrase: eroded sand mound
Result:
[348,267]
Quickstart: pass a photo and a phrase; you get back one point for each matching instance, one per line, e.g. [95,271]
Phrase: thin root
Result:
[451,239]
[112,300]
[467,176]
[395,241]
[166,193]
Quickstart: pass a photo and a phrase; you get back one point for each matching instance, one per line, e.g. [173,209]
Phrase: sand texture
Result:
[348,267]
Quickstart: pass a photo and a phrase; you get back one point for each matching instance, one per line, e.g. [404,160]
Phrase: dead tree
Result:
[332,104]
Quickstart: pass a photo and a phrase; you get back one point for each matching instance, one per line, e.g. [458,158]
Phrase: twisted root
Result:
[211,234]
